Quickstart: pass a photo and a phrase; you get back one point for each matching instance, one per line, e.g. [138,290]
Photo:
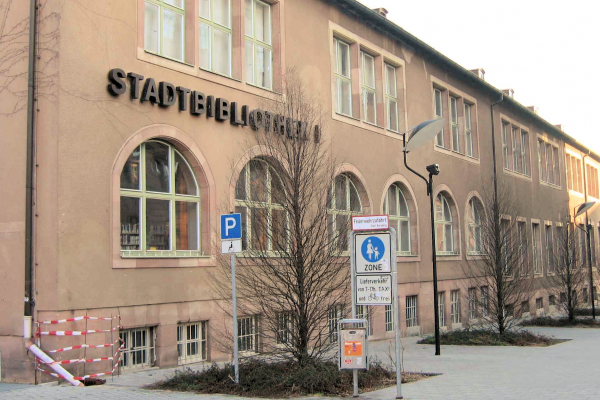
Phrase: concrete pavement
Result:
[563,371]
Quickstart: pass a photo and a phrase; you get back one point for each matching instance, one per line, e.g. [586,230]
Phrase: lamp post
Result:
[583,208]
[420,135]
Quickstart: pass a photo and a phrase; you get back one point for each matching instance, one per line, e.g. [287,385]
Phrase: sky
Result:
[547,51]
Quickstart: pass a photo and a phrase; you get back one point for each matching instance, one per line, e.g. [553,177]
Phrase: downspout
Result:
[29,300]
[494,145]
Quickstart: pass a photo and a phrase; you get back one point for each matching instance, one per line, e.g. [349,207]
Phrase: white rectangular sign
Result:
[370,223]
[373,290]
[372,253]
[231,246]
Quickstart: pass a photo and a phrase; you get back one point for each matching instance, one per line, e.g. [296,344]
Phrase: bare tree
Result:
[499,267]
[293,273]
[569,278]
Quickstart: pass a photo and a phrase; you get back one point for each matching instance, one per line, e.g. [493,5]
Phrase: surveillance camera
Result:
[433,169]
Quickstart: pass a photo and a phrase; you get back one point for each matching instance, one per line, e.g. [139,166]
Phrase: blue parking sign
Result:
[231,226]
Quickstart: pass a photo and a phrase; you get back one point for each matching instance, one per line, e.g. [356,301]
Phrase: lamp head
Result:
[582,208]
[433,169]
[423,133]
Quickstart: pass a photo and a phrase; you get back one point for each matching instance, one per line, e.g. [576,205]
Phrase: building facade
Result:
[139,139]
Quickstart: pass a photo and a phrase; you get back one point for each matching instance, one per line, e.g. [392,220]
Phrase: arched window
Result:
[396,206]
[474,215]
[258,197]
[444,231]
[160,204]
[344,203]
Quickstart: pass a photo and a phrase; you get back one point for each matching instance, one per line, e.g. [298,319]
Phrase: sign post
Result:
[231,235]
[374,271]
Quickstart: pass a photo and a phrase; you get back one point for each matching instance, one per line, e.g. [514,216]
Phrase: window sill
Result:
[159,254]
[347,116]
[517,174]
[208,71]
[168,58]
[550,185]
[455,154]
[261,88]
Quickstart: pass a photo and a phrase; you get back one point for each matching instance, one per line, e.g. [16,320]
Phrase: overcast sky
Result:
[548,51]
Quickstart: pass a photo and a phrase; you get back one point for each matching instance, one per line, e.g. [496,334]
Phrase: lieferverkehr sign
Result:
[370,223]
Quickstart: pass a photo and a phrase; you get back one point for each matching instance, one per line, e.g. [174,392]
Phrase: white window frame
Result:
[184,343]
[284,328]
[366,89]
[444,222]
[340,77]
[162,5]
[334,212]
[212,26]
[397,219]
[251,39]
[475,229]
[472,303]
[439,113]
[454,124]
[484,300]
[516,153]
[524,151]
[505,145]
[248,334]
[334,314]
[389,318]
[521,231]
[549,244]
[411,311]
[455,306]
[537,267]
[132,352]
[441,309]
[391,97]
[468,130]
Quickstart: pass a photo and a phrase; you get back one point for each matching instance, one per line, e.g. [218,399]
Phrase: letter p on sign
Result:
[231,226]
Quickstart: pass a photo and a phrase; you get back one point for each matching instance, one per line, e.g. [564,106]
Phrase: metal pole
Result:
[433,256]
[589,253]
[235,327]
[352,294]
[396,309]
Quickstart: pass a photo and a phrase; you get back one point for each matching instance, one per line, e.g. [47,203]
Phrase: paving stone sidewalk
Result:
[563,371]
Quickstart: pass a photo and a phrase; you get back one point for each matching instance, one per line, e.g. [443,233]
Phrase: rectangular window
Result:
[525,152]
[552,300]
[522,246]
[468,131]
[505,146]
[516,152]
[484,301]
[391,97]
[472,303]
[582,246]
[454,124]
[555,159]
[579,177]
[343,80]
[542,161]
[441,308]
[164,22]
[333,316]
[191,342]
[389,318]
[585,295]
[368,88]
[506,246]
[592,181]
[439,113]
[455,306]
[215,36]
[138,347]
[539,303]
[537,256]
[411,312]
[259,47]
[569,172]
[284,327]
[248,334]
[549,258]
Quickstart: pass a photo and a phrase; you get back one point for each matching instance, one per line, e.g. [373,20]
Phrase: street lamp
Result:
[583,208]
[419,135]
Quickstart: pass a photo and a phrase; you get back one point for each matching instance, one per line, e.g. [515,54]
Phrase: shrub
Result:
[561,322]
[481,337]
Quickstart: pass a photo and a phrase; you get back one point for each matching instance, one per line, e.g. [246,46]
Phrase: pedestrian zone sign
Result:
[372,253]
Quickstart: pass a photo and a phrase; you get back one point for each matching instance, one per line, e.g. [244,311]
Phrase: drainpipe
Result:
[29,301]
[494,145]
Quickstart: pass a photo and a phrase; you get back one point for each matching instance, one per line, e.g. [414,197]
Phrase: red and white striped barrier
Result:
[60,321]
[80,378]
[82,360]
[82,346]
[76,333]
